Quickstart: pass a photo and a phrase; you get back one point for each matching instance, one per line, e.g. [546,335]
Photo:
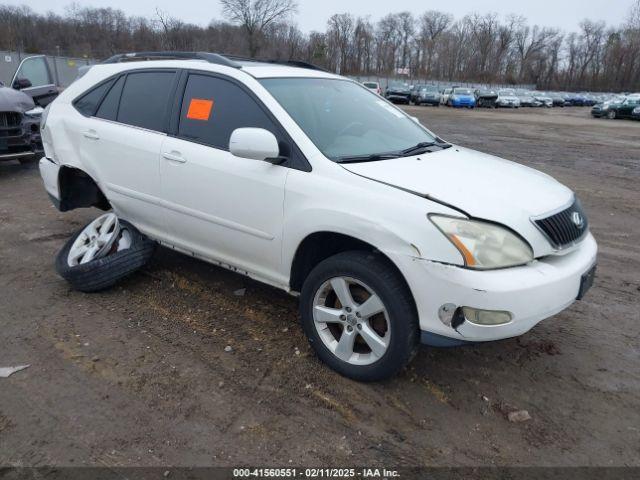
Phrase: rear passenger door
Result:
[122,139]
[219,206]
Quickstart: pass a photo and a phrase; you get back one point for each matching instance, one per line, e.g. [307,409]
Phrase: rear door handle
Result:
[92,135]
[174,157]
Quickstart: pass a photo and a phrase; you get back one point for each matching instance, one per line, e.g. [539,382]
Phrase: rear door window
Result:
[145,99]
[212,108]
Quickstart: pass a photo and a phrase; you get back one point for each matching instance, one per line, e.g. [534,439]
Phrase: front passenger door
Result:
[220,206]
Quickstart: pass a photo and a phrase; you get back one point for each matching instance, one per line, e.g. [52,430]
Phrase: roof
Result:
[255,67]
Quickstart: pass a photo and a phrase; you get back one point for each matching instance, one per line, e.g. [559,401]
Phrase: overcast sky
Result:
[313,14]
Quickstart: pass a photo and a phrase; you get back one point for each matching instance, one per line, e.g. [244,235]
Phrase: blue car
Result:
[462,97]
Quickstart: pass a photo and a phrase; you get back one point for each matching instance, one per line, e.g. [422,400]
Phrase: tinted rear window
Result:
[145,99]
[88,103]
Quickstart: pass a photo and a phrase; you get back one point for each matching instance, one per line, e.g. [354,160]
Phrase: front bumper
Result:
[393,97]
[530,293]
[20,140]
[508,103]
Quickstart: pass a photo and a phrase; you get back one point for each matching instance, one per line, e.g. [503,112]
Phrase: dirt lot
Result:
[138,375]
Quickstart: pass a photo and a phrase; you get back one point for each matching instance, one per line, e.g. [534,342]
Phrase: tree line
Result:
[482,48]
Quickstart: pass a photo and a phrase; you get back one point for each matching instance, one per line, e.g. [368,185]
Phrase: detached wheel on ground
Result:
[359,316]
[102,253]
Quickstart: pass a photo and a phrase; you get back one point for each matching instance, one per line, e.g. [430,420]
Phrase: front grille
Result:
[10,119]
[566,227]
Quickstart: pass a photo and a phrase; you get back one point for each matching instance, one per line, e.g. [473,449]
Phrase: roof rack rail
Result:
[170,55]
[300,64]
[291,63]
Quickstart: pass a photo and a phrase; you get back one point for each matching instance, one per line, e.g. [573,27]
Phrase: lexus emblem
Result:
[577,220]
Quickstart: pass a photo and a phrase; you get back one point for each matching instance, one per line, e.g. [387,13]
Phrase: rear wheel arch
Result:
[79,190]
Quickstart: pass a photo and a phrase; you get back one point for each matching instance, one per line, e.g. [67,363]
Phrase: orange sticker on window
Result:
[200,109]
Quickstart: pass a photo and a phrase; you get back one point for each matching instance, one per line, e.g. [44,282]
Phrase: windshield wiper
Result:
[367,158]
[418,148]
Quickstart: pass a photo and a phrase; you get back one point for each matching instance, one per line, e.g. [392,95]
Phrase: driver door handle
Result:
[174,156]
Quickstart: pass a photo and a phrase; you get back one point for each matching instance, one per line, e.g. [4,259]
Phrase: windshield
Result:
[462,91]
[370,85]
[345,120]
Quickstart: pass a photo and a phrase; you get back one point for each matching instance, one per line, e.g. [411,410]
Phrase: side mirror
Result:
[254,143]
[21,83]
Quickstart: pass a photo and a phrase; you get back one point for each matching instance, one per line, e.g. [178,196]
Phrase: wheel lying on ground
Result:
[102,253]
[359,316]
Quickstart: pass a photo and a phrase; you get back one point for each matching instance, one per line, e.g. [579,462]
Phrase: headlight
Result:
[483,245]
[34,112]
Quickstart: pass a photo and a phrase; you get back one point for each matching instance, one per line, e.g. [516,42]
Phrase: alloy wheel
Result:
[351,320]
[95,241]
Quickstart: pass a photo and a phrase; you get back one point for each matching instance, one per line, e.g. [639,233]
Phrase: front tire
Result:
[359,316]
[611,114]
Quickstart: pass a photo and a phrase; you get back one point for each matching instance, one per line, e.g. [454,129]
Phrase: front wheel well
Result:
[319,246]
[78,190]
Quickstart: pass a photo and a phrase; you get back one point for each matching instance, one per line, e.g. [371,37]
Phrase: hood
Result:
[481,185]
[14,101]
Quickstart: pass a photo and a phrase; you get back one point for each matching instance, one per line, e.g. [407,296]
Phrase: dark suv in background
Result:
[21,105]
[398,93]
[425,95]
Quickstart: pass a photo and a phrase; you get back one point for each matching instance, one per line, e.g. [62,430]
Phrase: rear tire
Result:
[103,272]
[366,275]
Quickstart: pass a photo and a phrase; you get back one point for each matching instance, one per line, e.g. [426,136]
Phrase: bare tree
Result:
[256,15]
[432,25]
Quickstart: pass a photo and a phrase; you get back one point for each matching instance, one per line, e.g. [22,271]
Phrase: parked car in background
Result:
[373,86]
[558,99]
[34,78]
[444,95]
[576,99]
[527,100]
[486,97]
[32,88]
[602,108]
[623,109]
[426,95]
[398,93]
[461,97]
[544,99]
[507,98]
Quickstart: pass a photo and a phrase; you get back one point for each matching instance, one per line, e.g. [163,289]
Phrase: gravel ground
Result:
[139,375]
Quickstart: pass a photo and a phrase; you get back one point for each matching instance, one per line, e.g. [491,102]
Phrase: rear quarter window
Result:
[109,107]
[88,103]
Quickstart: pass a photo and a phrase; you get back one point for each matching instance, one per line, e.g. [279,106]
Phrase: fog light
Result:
[486,317]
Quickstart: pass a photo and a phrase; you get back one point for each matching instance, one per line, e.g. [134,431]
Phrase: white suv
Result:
[309,182]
